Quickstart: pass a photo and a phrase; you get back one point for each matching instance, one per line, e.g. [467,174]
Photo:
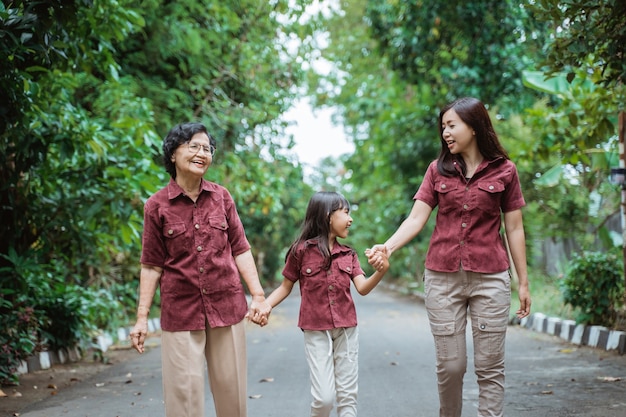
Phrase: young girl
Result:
[324,269]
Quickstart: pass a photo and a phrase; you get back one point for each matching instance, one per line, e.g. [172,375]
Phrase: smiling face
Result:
[340,222]
[457,134]
[191,163]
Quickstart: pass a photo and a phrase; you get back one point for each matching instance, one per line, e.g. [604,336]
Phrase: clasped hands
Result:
[377,255]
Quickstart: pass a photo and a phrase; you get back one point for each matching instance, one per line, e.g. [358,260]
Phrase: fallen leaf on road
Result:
[2,394]
[547,392]
[52,386]
[256,396]
[267,380]
[100,384]
[566,350]
[610,379]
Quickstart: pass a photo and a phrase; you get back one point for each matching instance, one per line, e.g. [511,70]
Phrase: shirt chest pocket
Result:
[174,238]
[446,197]
[345,274]
[489,196]
[312,275]
[218,232]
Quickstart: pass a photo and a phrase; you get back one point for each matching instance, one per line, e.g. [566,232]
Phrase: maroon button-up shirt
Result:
[326,302]
[195,244]
[467,230]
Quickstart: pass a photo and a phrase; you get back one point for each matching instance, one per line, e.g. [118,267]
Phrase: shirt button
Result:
[330,287]
[170,232]
[482,326]
[197,226]
[466,188]
[308,270]
[463,224]
[201,269]
[332,302]
[443,186]
[462,243]
[348,269]
[491,187]
[204,291]
[223,225]
[199,248]
[465,206]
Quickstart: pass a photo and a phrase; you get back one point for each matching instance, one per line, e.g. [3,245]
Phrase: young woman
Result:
[324,269]
[474,184]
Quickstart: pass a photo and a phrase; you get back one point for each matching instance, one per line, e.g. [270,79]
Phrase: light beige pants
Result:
[449,296]
[333,358]
[185,356]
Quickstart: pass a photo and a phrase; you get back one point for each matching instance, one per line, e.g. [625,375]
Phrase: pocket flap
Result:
[172,230]
[218,222]
[492,325]
[491,186]
[442,329]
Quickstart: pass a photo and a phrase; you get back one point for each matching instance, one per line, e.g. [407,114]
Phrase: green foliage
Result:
[584,30]
[18,337]
[547,296]
[91,88]
[594,283]
[464,48]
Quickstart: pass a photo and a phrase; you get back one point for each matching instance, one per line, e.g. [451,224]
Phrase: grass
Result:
[546,298]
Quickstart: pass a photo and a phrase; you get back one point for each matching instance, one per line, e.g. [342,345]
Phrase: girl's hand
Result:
[377,256]
[259,312]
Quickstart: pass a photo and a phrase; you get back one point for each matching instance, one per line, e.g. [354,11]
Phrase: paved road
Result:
[546,377]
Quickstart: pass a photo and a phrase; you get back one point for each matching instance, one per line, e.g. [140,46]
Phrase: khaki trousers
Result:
[185,355]
[487,297]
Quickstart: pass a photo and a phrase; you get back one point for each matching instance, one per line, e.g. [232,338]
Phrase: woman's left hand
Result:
[524,302]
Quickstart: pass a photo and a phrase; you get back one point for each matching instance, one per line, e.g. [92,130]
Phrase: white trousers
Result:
[333,364]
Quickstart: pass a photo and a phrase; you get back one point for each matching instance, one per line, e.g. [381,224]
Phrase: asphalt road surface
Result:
[546,377]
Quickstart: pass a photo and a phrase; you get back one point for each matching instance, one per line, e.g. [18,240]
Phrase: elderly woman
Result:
[196,250]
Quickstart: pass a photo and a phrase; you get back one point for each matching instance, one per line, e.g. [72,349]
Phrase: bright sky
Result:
[315,135]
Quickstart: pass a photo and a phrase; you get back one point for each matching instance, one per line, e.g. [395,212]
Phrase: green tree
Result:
[92,89]
[462,48]
[585,32]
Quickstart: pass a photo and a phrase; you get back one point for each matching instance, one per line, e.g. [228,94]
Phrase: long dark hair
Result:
[178,135]
[316,225]
[472,112]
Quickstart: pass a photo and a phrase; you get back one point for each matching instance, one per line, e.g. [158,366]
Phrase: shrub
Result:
[594,283]
[18,339]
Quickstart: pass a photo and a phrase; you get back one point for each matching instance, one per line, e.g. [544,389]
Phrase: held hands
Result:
[259,312]
[378,257]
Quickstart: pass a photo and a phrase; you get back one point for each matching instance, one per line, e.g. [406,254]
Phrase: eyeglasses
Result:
[194,148]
